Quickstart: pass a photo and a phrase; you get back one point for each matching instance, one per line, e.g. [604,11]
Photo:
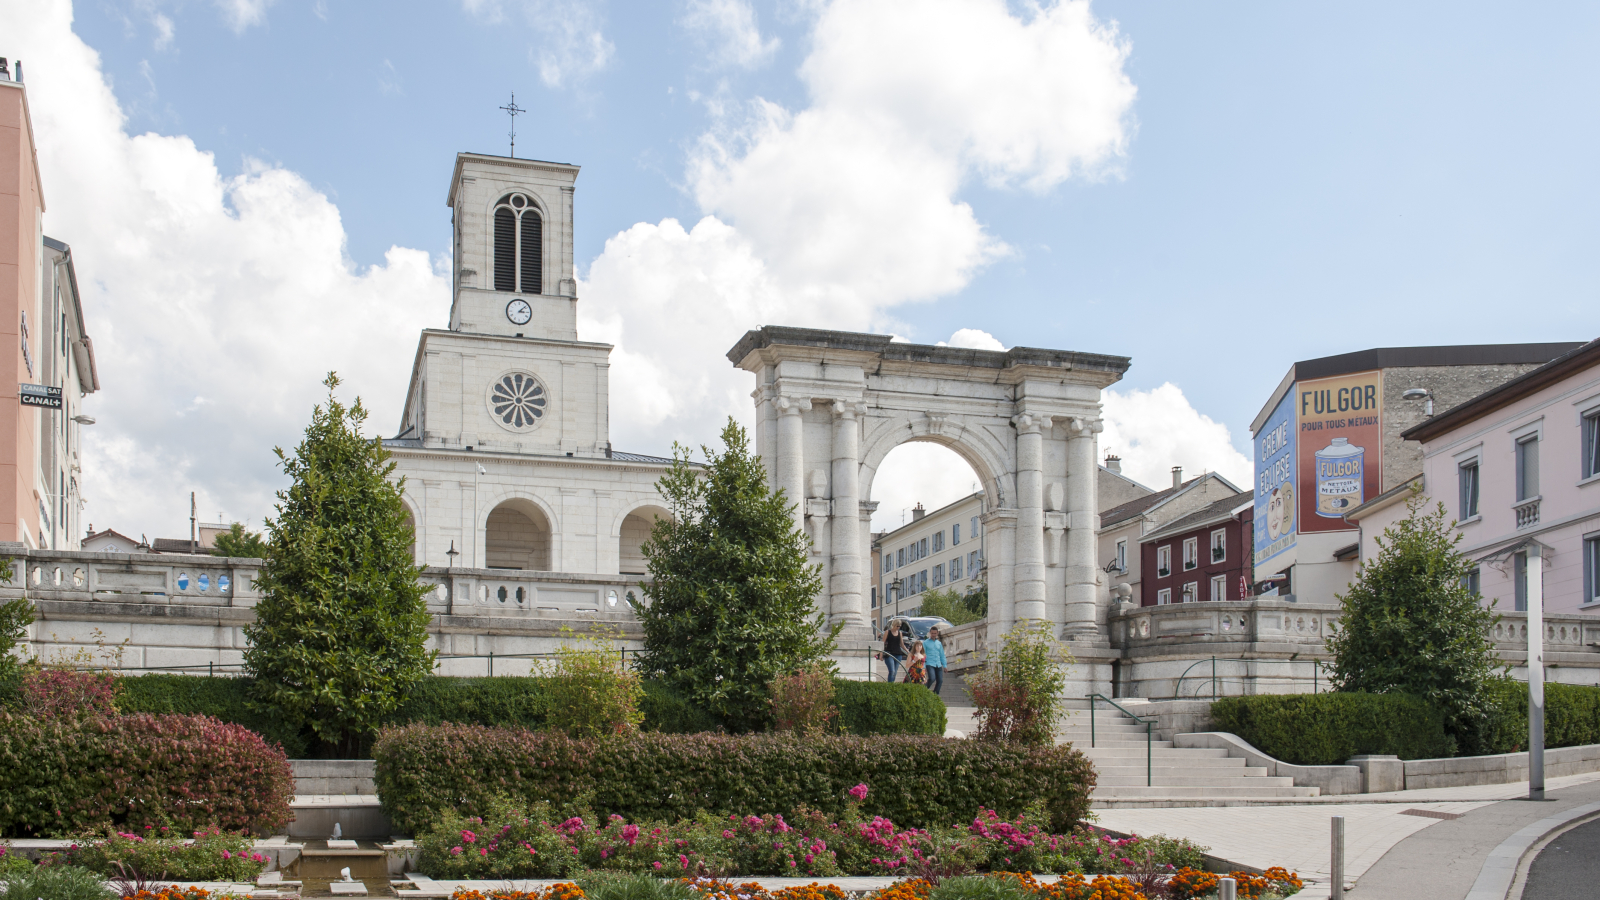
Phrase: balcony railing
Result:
[1527,513]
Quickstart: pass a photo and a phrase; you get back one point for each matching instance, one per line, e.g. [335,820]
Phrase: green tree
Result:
[730,597]
[340,628]
[1411,626]
[955,608]
[236,541]
[15,617]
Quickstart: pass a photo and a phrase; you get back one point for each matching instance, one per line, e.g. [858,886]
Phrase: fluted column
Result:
[844,583]
[1082,517]
[791,455]
[1030,590]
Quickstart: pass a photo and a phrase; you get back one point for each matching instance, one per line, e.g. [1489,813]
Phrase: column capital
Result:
[849,409]
[1029,423]
[1084,426]
[793,406]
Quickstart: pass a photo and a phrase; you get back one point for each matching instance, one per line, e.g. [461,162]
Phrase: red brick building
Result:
[1205,555]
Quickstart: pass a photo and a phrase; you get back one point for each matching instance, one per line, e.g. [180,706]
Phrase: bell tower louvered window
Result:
[518,245]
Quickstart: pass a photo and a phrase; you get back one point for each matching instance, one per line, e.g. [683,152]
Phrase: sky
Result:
[254,192]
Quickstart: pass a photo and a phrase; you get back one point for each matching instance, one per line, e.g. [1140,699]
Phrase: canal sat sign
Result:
[1317,456]
[39,395]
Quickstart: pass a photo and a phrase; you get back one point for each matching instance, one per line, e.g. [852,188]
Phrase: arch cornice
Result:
[634,506]
[988,456]
[491,499]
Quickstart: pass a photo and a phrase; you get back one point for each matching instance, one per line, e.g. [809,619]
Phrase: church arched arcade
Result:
[830,406]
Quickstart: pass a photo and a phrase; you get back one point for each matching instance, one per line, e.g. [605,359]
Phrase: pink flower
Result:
[468,836]
[684,860]
[630,833]
[859,792]
[658,865]
[227,855]
[727,835]
[455,851]
[482,852]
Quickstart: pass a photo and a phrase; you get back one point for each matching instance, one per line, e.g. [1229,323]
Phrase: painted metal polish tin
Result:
[1341,475]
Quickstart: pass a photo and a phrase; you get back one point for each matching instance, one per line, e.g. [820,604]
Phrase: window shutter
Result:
[532,253]
[505,250]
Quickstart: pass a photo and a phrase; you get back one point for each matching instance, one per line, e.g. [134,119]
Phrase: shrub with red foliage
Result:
[48,693]
[61,776]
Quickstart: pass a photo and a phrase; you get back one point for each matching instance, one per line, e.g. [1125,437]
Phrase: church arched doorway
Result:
[635,531]
[517,536]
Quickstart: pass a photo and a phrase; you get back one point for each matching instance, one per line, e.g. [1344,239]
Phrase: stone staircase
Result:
[1177,776]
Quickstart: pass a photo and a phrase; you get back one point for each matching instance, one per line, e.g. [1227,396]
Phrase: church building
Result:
[505,438]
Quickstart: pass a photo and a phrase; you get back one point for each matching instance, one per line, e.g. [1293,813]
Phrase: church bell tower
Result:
[512,227]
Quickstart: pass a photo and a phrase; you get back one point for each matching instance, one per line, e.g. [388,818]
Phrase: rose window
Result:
[517,400]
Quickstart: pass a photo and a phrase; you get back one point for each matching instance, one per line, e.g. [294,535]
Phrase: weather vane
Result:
[512,111]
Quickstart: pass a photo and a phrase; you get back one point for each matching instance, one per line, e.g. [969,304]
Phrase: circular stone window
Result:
[518,401]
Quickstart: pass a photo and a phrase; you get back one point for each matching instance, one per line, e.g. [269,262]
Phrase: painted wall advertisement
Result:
[1339,432]
[1276,507]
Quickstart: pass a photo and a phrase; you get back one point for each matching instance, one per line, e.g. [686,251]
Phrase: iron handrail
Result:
[1149,743]
[1177,690]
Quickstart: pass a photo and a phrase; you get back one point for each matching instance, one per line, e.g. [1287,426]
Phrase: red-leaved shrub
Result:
[63,776]
[916,781]
[48,693]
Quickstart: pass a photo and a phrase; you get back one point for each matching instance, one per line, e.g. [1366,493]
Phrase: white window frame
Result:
[1191,592]
[1470,459]
[1164,561]
[1164,597]
[1528,432]
[1191,554]
[1122,555]
[1219,538]
[1588,454]
[938,541]
[1591,569]
[956,567]
[1219,588]
[938,575]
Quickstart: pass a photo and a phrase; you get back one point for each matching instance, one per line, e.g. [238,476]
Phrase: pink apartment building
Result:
[1517,464]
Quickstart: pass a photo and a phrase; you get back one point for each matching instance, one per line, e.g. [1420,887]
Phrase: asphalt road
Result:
[1568,868]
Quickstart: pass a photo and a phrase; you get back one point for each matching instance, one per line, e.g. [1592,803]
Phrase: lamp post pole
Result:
[1534,573]
[477,469]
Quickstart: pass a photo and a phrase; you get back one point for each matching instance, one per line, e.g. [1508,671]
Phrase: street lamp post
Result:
[477,469]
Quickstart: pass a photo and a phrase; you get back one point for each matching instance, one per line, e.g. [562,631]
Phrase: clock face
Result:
[519,312]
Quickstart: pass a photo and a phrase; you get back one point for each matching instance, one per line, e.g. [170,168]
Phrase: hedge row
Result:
[63,776]
[1327,729]
[1571,716]
[917,781]
[866,708]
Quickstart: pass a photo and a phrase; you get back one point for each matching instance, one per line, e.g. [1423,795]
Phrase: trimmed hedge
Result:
[60,777]
[874,707]
[513,701]
[1571,716]
[221,698]
[916,781]
[1327,729]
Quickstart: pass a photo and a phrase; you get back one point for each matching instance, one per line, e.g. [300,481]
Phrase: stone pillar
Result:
[870,575]
[1082,518]
[791,455]
[844,582]
[1030,590]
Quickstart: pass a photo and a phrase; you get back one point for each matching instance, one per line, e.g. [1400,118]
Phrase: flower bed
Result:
[161,853]
[538,842]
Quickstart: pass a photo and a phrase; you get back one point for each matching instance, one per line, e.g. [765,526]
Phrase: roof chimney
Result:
[1177,476]
[1114,463]
[917,512]
[5,73]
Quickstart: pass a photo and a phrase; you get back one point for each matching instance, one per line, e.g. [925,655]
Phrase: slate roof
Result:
[1210,514]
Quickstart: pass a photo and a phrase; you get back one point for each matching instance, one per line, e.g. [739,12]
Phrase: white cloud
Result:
[1157,429]
[973,339]
[570,36]
[216,304]
[835,214]
[165,30]
[730,28]
[241,14]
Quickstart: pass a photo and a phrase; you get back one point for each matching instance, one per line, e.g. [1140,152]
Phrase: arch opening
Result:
[635,531]
[517,536]
[927,535]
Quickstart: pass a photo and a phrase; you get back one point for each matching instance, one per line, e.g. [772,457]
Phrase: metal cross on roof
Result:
[512,111]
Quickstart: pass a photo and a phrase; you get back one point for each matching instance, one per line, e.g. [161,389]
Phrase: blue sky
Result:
[1290,180]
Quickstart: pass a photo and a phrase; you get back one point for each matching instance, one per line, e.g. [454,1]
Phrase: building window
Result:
[874,598]
[1519,581]
[938,575]
[1219,587]
[955,535]
[1528,468]
[972,564]
[1163,561]
[938,540]
[955,569]
[922,581]
[1591,569]
[1164,596]
[1191,592]
[518,245]
[1122,556]
[1591,444]
[1219,545]
[1473,582]
[900,557]
[1191,553]
[1467,475]
[974,532]
[922,549]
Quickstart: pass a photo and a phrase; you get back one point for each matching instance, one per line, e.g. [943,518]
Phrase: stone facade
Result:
[504,440]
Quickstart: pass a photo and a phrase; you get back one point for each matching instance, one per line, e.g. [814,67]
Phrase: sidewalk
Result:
[1297,837]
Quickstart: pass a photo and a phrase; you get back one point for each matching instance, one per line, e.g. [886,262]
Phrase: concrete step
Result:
[1109,743]
[1188,781]
[1178,792]
[1229,763]
[1185,753]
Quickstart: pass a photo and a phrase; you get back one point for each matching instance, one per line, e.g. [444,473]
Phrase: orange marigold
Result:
[1188,884]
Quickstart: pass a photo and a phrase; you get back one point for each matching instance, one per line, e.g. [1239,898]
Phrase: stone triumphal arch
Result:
[830,405]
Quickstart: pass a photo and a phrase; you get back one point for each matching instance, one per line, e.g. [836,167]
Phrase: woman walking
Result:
[894,650]
[933,649]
